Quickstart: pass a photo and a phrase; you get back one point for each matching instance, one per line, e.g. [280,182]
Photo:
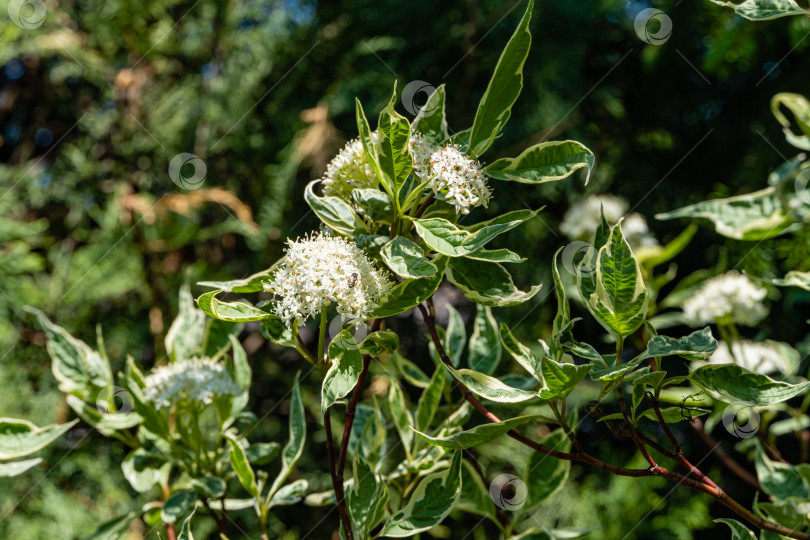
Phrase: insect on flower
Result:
[352,279]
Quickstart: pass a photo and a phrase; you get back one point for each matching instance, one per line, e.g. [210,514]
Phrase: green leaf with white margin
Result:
[411,292]
[367,498]
[140,468]
[185,530]
[563,315]
[431,120]
[428,505]
[374,204]
[474,497]
[347,363]
[520,352]
[620,299]
[476,436]
[372,444]
[250,284]
[298,435]
[79,370]
[455,337]
[501,255]
[179,503]
[290,494]
[503,89]
[16,468]
[610,370]
[430,399]
[545,162]
[781,480]
[799,106]
[364,131]
[393,146]
[449,239]
[20,438]
[754,216]
[490,387]
[794,278]
[406,259]
[738,530]
[545,474]
[375,344]
[698,345]
[586,268]
[564,339]
[211,487]
[411,372]
[401,415]
[559,378]
[335,213]
[185,335]
[241,466]
[488,284]
[104,423]
[731,383]
[112,529]
[764,10]
[230,311]
[485,345]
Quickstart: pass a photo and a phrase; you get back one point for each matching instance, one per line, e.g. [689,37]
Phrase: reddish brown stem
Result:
[633,434]
[725,459]
[656,470]
[677,446]
[337,482]
[337,477]
[170,531]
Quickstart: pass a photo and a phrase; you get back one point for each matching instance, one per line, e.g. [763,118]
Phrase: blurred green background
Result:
[96,101]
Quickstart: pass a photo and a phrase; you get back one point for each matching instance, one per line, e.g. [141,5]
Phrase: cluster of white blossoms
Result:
[582,219]
[421,150]
[763,357]
[457,179]
[193,381]
[349,170]
[636,231]
[728,298]
[323,269]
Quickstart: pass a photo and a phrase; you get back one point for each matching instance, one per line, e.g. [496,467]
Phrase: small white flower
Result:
[760,357]
[323,269]
[349,170]
[582,219]
[731,297]
[457,179]
[193,381]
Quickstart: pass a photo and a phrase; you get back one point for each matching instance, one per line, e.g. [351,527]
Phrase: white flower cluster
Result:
[193,381]
[582,219]
[760,357]
[457,179]
[636,231]
[731,297]
[323,269]
[421,149]
[349,170]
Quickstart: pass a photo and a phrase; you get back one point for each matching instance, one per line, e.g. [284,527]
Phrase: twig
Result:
[719,495]
[725,459]
[676,445]
[337,483]
[347,431]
